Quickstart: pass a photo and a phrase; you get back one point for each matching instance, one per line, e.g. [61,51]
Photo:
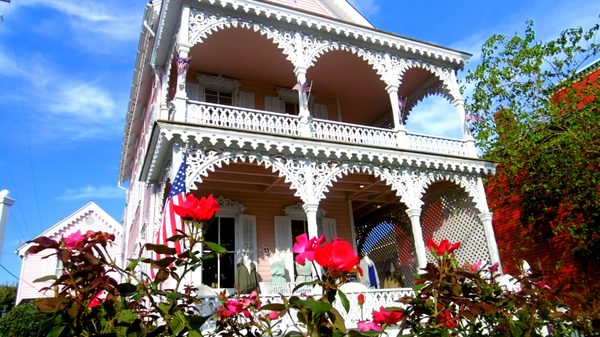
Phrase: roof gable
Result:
[88,217]
[336,9]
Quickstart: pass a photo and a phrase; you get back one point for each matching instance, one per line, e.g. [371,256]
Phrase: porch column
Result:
[486,220]
[313,228]
[182,62]
[414,214]
[392,91]
[303,113]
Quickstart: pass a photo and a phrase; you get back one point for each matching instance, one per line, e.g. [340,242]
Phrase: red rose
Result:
[361,299]
[387,317]
[444,247]
[447,320]
[337,256]
[192,208]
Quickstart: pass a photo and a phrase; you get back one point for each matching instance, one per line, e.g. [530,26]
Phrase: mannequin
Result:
[247,278]
[277,268]
[303,272]
[370,277]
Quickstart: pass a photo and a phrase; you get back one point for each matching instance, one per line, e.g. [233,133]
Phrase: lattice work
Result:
[389,243]
[452,215]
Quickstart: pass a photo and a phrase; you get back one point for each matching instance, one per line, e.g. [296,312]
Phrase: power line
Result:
[27,128]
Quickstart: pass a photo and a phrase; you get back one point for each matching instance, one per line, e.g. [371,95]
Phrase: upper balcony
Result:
[240,79]
[281,124]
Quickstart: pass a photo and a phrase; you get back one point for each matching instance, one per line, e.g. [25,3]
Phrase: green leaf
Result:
[126,288]
[344,300]
[317,307]
[337,320]
[273,307]
[127,316]
[56,331]
[215,247]
[160,249]
[45,278]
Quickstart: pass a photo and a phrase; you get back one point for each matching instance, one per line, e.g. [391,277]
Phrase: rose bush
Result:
[449,299]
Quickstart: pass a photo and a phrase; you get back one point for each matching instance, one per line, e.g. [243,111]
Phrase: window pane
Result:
[227,270]
[211,230]
[228,233]
[291,108]
[209,272]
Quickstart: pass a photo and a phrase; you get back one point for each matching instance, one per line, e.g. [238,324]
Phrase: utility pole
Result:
[5,203]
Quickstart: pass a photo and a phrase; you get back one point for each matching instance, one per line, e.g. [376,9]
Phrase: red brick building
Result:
[550,253]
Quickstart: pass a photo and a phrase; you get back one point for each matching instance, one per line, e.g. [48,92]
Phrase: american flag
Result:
[171,222]
[182,64]
[303,87]
[475,118]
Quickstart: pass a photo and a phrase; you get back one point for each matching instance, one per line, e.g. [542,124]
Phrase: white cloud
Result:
[67,107]
[434,116]
[93,20]
[93,193]
[367,7]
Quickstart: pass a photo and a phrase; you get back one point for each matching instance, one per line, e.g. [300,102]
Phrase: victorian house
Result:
[293,113]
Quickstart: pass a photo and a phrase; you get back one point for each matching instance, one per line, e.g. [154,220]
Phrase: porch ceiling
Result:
[368,194]
[337,75]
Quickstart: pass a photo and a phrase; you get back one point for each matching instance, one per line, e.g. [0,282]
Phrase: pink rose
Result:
[273,315]
[73,240]
[305,248]
[366,326]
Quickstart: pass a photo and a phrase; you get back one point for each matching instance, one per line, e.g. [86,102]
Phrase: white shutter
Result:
[283,243]
[320,111]
[193,91]
[246,238]
[329,228]
[246,100]
[272,104]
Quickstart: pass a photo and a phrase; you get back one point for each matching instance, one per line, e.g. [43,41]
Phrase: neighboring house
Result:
[550,253]
[213,81]
[90,217]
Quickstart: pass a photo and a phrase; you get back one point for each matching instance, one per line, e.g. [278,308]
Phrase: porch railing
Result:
[231,117]
[374,299]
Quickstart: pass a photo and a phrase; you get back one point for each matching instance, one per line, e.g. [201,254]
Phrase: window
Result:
[218,97]
[217,90]
[219,272]
[59,268]
[291,108]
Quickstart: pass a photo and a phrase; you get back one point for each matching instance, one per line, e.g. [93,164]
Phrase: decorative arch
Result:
[397,182]
[202,162]
[449,213]
[467,183]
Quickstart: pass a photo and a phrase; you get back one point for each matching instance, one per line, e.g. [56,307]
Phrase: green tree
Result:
[8,296]
[23,321]
[540,122]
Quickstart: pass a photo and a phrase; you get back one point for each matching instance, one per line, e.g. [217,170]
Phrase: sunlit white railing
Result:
[350,133]
[374,299]
[231,117]
[438,145]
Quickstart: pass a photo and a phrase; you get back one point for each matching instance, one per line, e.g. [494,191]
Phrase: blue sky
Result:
[66,69]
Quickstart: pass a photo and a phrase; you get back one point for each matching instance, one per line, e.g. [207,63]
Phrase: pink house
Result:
[89,217]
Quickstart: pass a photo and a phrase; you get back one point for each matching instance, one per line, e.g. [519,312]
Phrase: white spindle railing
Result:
[355,134]
[374,299]
[438,145]
[232,117]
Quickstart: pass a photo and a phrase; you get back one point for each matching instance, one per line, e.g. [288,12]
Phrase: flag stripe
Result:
[171,221]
